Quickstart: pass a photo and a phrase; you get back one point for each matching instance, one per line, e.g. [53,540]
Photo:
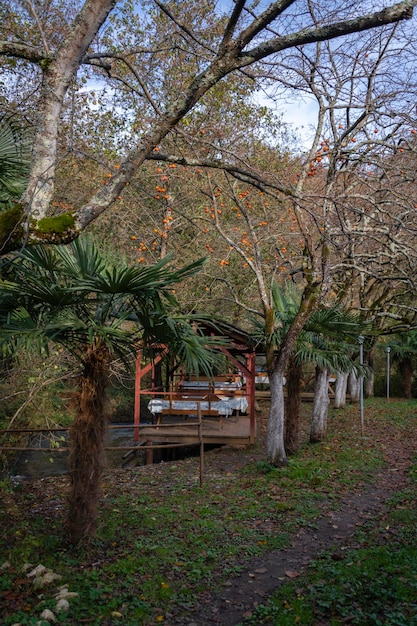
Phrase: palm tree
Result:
[404,351]
[332,334]
[325,340]
[328,341]
[285,304]
[79,298]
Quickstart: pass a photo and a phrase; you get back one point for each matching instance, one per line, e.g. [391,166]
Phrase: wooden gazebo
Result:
[184,409]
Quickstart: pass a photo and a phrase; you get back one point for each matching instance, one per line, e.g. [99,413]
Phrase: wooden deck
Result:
[234,430]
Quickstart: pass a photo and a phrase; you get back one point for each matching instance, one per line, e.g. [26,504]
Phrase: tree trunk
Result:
[57,76]
[277,365]
[86,445]
[275,434]
[370,384]
[406,370]
[292,419]
[320,406]
[340,390]
[354,386]
[370,378]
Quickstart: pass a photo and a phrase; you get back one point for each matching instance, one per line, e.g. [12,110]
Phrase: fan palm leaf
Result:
[328,337]
[15,147]
[405,344]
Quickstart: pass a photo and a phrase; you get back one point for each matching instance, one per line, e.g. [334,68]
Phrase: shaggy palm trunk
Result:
[406,371]
[292,420]
[320,407]
[87,444]
[275,435]
[340,390]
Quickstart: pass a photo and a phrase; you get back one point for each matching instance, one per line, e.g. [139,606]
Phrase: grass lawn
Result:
[165,544]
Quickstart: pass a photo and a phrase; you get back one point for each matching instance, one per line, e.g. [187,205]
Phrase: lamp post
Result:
[361,339]
[388,370]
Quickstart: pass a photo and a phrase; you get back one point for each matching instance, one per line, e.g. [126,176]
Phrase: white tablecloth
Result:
[224,406]
[157,406]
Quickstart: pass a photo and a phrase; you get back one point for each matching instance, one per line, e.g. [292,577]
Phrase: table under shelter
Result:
[225,403]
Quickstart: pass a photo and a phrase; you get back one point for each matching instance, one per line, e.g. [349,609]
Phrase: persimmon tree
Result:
[126,47]
[351,205]
[361,199]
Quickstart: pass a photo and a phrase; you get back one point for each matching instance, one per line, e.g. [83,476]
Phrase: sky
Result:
[300,114]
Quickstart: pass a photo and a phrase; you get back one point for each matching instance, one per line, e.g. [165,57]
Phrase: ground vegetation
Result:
[315,541]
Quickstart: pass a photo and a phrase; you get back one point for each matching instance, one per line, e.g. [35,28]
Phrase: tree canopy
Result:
[155,73]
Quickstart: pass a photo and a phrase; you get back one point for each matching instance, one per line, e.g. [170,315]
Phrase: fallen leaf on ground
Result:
[292,574]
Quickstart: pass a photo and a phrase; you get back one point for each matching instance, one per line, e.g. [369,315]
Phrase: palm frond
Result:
[336,321]
[78,296]
[404,345]
[196,352]
[137,281]
[18,330]
[329,337]
[15,148]
[81,258]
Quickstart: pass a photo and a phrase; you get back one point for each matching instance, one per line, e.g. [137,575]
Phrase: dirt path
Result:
[333,531]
